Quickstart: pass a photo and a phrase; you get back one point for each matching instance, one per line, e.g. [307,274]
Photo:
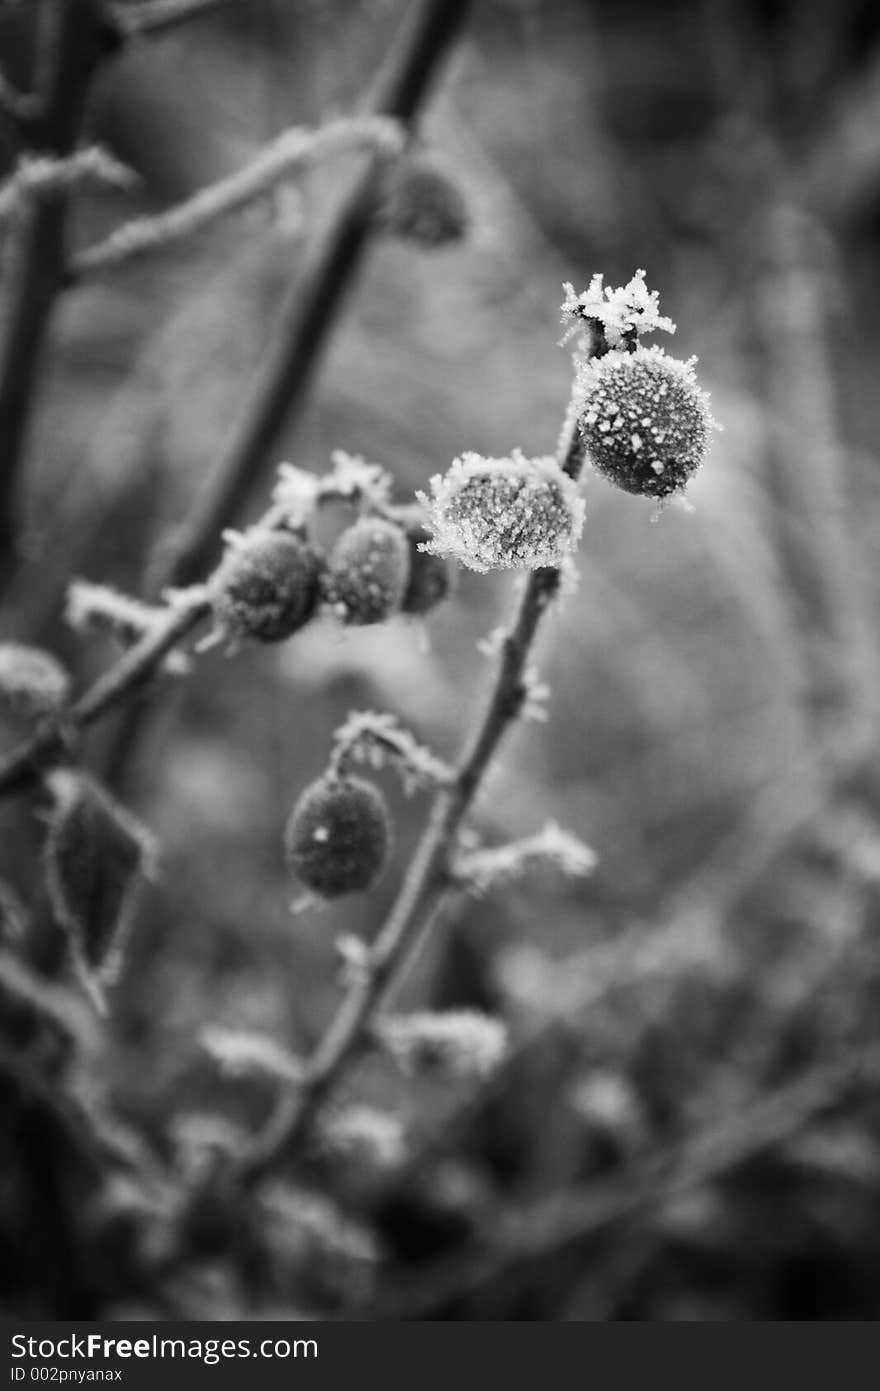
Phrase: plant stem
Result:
[281,389]
[309,319]
[290,152]
[426,889]
[80,38]
[24,765]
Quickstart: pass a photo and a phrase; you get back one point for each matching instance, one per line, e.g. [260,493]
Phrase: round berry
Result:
[644,420]
[267,585]
[423,203]
[368,572]
[501,514]
[338,838]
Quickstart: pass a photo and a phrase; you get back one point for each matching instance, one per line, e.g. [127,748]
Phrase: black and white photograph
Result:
[439,672]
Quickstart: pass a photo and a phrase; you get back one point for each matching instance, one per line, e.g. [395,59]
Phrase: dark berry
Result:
[368,572]
[338,837]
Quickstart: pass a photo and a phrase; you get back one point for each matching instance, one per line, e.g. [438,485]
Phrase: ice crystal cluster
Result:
[623,314]
[644,420]
[461,1042]
[504,514]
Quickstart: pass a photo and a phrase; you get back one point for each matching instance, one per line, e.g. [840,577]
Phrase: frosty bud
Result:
[32,680]
[368,572]
[501,514]
[96,856]
[644,420]
[338,838]
[267,585]
[618,315]
[423,203]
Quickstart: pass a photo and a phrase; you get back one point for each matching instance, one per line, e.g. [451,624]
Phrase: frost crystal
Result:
[623,313]
[365,1134]
[373,737]
[351,479]
[504,514]
[644,420]
[481,870]
[241,1053]
[465,1043]
[294,1216]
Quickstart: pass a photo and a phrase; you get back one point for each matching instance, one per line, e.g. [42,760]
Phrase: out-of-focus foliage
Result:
[712,726]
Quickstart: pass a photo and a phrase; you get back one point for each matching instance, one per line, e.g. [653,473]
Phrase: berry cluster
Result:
[274,578]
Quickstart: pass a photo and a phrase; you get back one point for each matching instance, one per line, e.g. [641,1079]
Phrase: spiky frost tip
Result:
[504,514]
[623,313]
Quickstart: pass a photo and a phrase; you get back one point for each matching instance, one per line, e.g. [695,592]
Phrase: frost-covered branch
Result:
[426,36]
[78,37]
[25,765]
[368,736]
[291,152]
[427,887]
[41,176]
[306,323]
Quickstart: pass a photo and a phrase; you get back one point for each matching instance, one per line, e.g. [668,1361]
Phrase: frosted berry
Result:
[338,837]
[644,420]
[498,514]
[368,572]
[267,585]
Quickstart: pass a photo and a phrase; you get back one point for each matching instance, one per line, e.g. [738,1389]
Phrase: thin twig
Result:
[306,326]
[81,36]
[309,319]
[293,150]
[427,888]
[167,627]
